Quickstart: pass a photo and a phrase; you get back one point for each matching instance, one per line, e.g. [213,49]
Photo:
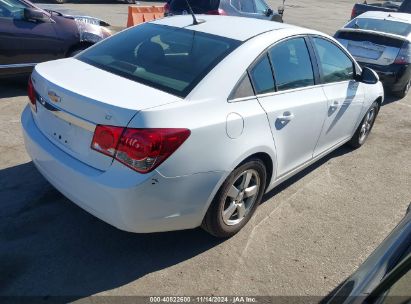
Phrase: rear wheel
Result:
[237,200]
[404,91]
[364,129]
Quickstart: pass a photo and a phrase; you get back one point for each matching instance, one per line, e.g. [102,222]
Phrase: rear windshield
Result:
[198,6]
[385,26]
[167,58]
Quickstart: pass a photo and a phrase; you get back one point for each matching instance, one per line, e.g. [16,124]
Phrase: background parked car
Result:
[381,41]
[384,6]
[385,277]
[244,8]
[29,35]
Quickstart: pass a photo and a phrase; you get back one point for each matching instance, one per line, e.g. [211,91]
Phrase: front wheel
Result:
[237,200]
[365,127]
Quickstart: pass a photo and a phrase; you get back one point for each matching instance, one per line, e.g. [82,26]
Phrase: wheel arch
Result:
[267,161]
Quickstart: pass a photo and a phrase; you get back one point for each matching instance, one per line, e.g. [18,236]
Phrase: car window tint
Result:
[335,65]
[292,64]
[243,89]
[236,4]
[247,6]
[12,9]
[164,57]
[262,76]
[386,26]
[260,6]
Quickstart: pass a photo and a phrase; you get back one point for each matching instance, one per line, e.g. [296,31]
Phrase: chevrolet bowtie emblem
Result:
[54,97]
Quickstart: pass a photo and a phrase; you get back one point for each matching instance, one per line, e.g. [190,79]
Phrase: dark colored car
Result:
[29,35]
[399,6]
[244,8]
[385,277]
[382,42]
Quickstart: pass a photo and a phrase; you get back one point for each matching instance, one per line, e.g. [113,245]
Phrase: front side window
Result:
[167,58]
[12,9]
[262,76]
[260,7]
[292,64]
[334,64]
[246,6]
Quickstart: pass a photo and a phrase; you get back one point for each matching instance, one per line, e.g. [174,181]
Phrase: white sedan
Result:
[172,125]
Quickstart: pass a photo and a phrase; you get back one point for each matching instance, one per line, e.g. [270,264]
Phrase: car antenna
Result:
[195,21]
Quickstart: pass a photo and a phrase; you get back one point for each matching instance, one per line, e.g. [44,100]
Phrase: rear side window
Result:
[198,6]
[171,59]
[292,64]
[334,64]
[262,76]
[243,88]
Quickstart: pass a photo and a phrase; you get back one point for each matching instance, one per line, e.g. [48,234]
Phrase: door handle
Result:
[334,105]
[287,116]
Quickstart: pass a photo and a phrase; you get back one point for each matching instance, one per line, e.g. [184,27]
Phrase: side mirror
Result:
[268,12]
[35,15]
[369,76]
[281,10]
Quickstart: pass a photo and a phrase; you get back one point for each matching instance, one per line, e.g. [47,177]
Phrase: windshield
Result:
[385,26]
[171,59]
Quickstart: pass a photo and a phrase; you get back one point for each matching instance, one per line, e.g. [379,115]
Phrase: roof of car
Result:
[400,17]
[238,28]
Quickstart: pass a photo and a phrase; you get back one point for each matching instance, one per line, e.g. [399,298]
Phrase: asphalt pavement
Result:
[305,239]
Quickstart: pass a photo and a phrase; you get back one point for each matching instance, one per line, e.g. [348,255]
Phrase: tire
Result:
[403,92]
[365,127]
[231,200]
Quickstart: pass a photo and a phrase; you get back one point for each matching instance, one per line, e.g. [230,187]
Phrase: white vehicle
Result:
[170,125]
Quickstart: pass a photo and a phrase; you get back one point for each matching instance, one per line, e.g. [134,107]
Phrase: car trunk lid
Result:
[73,97]
[371,47]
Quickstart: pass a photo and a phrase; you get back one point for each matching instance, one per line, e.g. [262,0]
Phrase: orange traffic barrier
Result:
[140,14]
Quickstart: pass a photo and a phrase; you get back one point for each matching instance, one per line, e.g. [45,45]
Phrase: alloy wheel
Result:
[241,197]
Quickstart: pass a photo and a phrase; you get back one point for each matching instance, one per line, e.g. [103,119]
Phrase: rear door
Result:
[295,105]
[24,43]
[345,95]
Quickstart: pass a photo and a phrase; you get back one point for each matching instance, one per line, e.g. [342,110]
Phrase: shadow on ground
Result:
[49,246]
[13,88]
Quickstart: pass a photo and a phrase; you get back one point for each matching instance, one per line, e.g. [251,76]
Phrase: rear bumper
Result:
[394,77]
[120,196]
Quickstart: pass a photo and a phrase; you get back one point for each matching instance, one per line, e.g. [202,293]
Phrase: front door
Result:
[295,105]
[345,95]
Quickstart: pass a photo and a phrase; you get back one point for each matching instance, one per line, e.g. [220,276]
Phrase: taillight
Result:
[404,55]
[106,138]
[32,95]
[353,13]
[217,12]
[142,150]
